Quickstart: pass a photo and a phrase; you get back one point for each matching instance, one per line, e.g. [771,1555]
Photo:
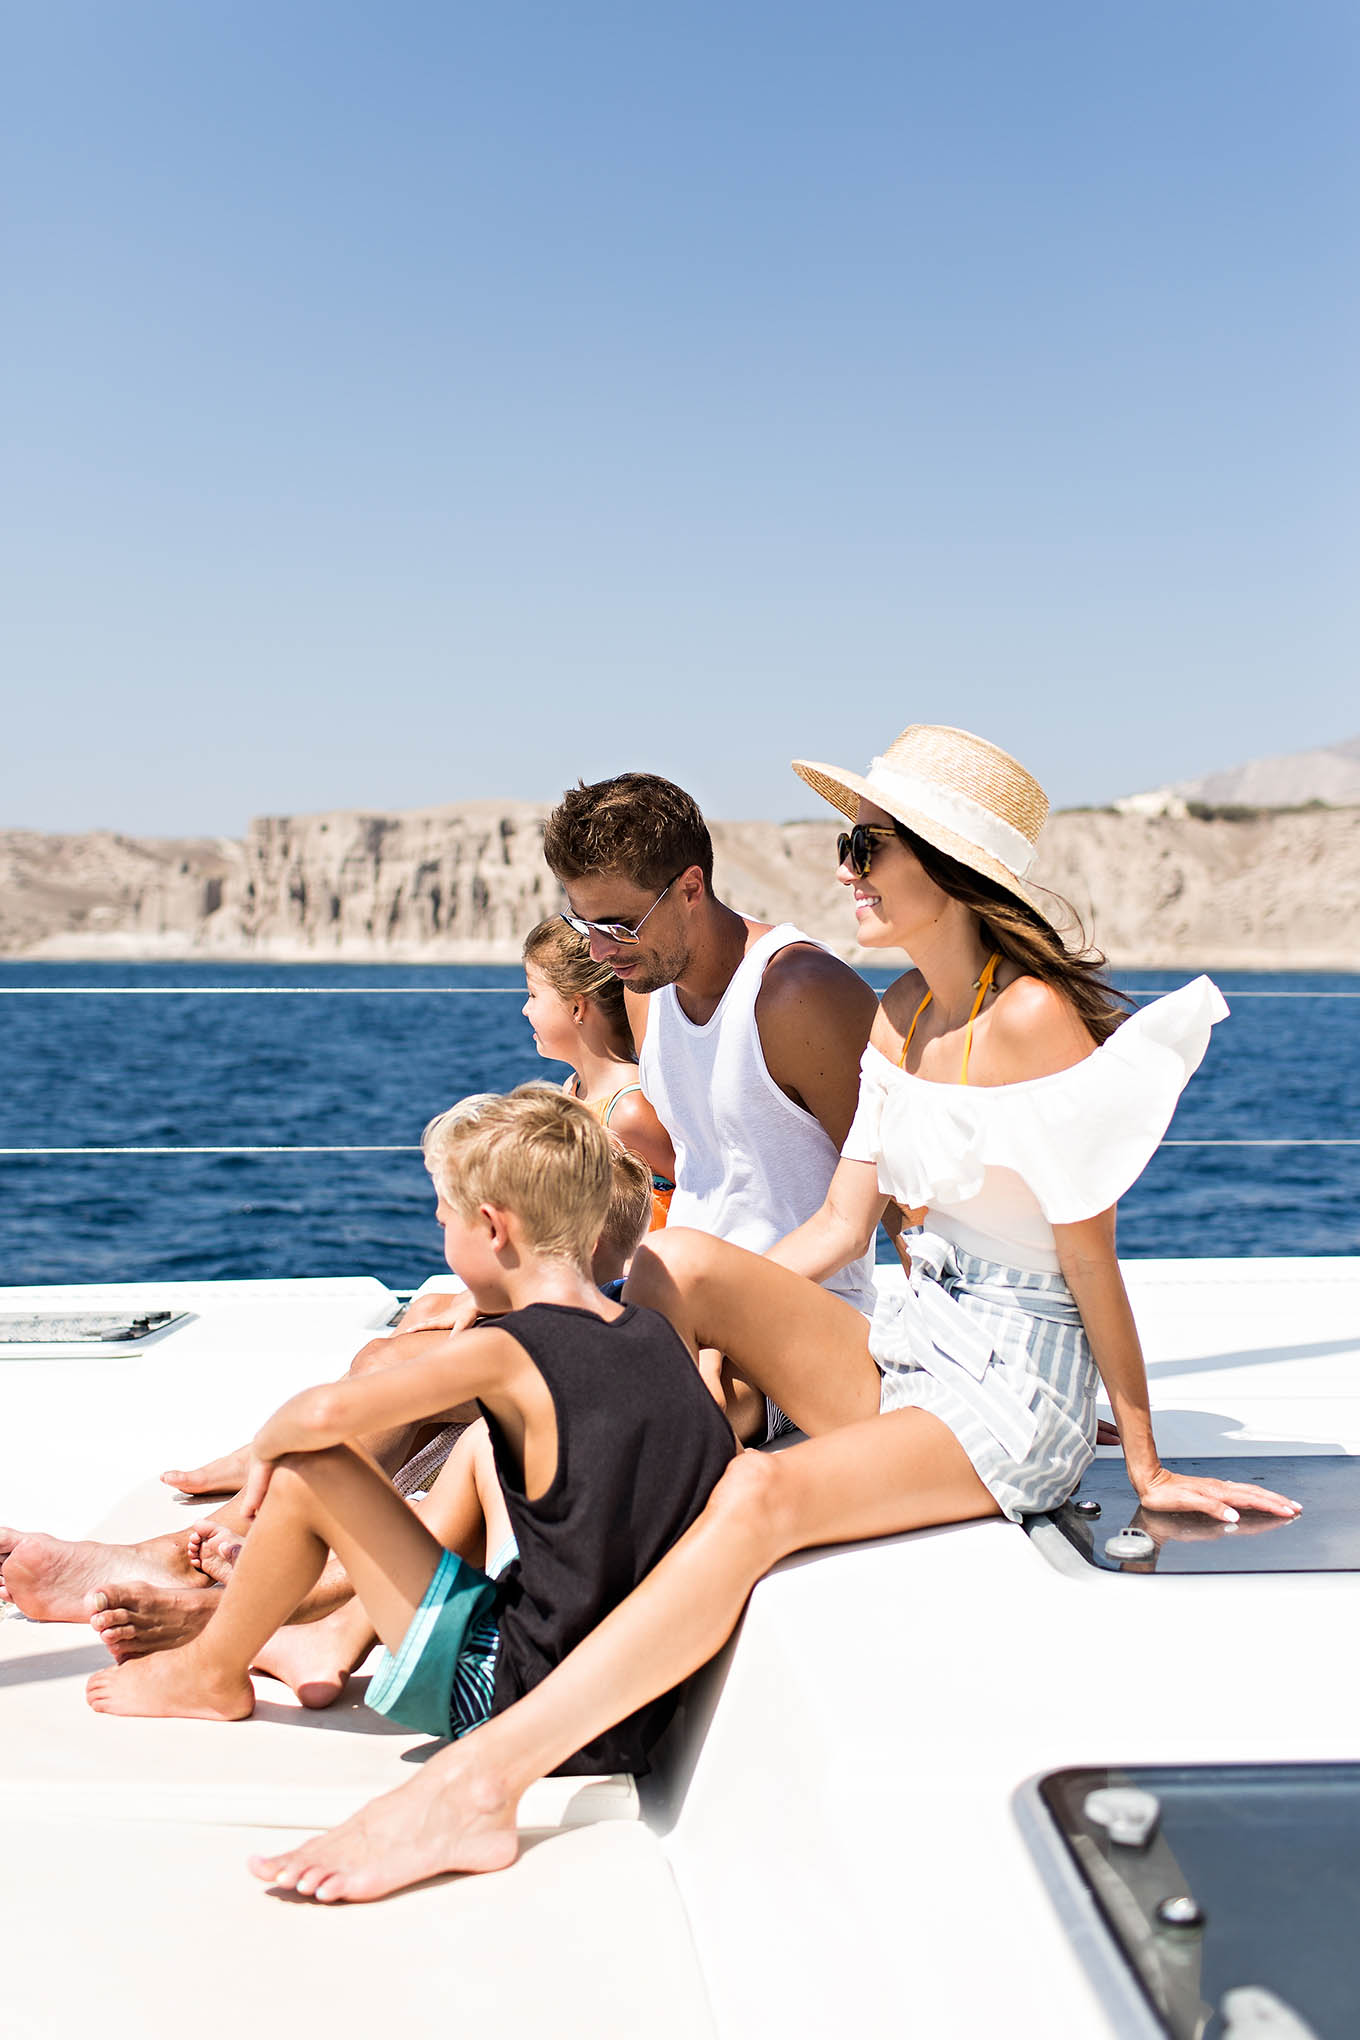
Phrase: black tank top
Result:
[640,1445]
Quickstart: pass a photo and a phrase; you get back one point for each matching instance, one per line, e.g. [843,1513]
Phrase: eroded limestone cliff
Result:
[464,884]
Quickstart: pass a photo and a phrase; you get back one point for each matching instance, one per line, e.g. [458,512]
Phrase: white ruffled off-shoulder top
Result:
[1000,1165]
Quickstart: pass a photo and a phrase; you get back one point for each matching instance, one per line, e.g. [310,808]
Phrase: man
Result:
[750,1036]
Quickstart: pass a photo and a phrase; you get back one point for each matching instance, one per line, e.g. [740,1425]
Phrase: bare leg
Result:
[317,1502]
[494,1518]
[892,1473]
[214,1549]
[742,1405]
[870,1478]
[316,1658]
[392,1449]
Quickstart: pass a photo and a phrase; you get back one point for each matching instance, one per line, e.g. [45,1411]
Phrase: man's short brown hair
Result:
[646,829]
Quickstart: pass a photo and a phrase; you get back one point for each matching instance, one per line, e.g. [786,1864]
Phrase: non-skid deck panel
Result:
[146,1930]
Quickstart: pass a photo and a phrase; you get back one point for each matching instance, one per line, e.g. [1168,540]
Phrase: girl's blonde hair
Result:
[535,1153]
[563,958]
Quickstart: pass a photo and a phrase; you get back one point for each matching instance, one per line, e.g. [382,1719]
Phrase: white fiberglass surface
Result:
[844,1852]
[81,1428]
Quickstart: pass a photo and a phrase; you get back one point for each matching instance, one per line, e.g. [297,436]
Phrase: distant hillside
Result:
[1291,780]
[464,884]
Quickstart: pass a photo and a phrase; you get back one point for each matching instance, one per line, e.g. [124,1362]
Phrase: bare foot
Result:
[49,1579]
[451,1816]
[135,1618]
[222,1476]
[172,1682]
[8,1539]
[306,1656]
[213,1550]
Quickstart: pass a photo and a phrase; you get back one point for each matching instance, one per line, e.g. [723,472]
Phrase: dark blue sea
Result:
[370,1068]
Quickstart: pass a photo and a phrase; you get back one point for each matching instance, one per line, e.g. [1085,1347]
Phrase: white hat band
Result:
[957,811]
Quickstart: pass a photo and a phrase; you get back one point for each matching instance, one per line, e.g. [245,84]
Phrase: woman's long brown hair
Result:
[1027,940]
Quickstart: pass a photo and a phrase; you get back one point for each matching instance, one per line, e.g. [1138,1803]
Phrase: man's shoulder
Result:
[803,971]
[813,1014]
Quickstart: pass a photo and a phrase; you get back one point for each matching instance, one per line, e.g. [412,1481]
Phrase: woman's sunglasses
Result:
[857,847]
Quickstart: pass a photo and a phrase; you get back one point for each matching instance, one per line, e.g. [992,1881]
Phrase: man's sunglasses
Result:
[619,931]
[857,847]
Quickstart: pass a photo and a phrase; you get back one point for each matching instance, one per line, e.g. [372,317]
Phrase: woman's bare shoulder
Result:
[1033,1031]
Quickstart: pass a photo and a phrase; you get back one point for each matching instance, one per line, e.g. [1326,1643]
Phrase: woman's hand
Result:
[1222,1499]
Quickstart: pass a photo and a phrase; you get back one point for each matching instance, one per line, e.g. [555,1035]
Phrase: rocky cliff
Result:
[463,884]
[1328,775]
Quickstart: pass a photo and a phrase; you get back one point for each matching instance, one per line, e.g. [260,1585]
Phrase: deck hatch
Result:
[1325,1538]
[1248,1883]
[84,1327]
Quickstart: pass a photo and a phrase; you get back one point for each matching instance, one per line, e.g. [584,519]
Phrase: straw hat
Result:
[959,792]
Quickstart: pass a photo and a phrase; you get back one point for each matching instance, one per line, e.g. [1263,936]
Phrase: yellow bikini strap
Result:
[984,985]
[902,1059]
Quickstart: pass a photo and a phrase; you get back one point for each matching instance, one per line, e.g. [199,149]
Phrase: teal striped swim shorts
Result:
[441,1677]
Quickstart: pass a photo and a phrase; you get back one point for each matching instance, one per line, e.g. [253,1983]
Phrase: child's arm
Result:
[477,1363]
[634,1122]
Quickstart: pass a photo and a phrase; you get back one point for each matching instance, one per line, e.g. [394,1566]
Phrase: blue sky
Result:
[419,402]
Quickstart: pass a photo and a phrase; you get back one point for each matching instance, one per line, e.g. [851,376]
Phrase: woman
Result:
[1004,1092]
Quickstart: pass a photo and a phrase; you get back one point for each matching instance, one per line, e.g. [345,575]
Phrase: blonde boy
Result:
[606,1447]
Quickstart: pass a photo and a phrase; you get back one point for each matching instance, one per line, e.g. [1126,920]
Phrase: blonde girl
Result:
[576,1010]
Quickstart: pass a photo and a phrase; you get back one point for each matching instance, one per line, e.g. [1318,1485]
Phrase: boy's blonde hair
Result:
[536,1153]
[629,1217]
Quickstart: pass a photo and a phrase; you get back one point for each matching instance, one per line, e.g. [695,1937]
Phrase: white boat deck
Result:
[834,1845]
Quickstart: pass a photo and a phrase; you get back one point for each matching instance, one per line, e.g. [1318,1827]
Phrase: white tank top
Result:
[750,1165]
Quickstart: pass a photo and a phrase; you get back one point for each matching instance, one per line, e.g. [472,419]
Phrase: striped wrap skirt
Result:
[999,1355]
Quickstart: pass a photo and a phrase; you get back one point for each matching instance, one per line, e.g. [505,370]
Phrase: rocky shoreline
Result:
[1271,891]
